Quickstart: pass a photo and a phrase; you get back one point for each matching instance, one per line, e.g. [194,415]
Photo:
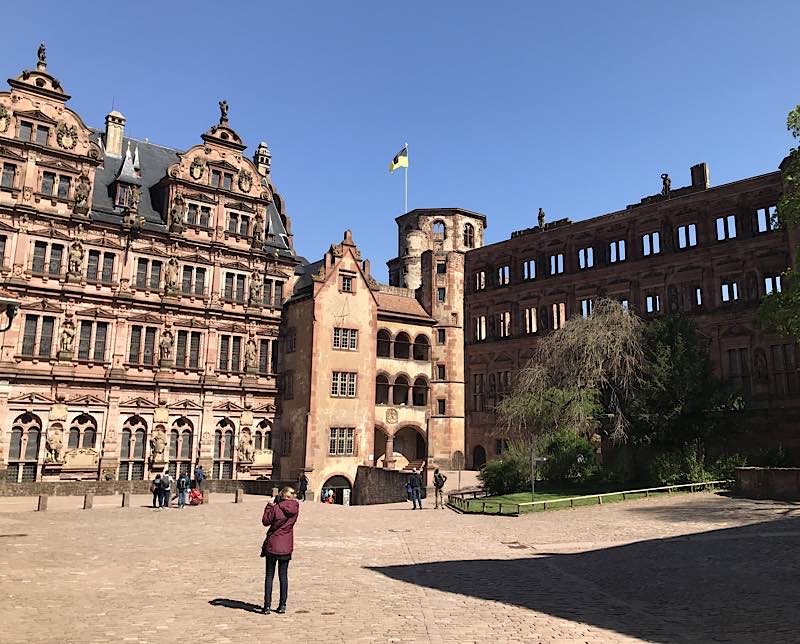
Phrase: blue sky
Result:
[577,107]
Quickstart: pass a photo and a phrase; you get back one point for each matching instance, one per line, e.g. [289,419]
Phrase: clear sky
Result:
[577,107]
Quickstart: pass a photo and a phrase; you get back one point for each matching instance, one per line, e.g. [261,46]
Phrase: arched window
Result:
[15,449]
[421,347]
[186,444]
[469,236]
[420,393]
[26,432]
[89,436]
[257,440]
[32,448]
[400,391]
[217,443]
[384,344]
[131,450]
[381,390]
[266,427]
[74,438]
[180,447]
[174,437]
[439,230]
[223,449]
[82,432]
[401,346]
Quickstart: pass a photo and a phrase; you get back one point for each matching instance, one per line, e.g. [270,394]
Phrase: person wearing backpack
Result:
[199,475]
[280,516]
[438,485]
[155,488]
[183,489]
[166,488]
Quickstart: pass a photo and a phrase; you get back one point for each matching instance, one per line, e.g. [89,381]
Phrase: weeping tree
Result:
[579,378]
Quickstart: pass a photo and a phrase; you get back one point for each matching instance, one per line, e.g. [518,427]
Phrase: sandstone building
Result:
[710,252]
[150,283]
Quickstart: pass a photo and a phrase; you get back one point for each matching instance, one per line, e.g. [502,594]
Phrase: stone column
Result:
[389,455]
[109,454]
[205,456]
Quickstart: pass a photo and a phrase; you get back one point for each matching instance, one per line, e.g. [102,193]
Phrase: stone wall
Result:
[107,488]
[781,483]
[376,485]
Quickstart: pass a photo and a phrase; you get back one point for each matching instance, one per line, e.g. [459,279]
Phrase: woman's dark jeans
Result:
[157,497]
[283,579]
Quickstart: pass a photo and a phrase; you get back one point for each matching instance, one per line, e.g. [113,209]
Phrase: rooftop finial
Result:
[42,54]
[223,112]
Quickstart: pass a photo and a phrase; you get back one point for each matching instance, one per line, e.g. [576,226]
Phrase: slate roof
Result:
[153,162]
[401,305]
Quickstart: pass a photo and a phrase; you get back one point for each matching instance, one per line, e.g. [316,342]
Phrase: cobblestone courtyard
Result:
[690,568]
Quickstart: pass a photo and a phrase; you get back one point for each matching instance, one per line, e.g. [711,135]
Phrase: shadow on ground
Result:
[235,603]
[731,584]
[709,509]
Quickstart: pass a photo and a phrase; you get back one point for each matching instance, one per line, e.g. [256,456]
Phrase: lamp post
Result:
[10,307]
[535,460]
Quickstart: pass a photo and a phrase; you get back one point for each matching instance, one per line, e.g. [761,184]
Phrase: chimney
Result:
[700,177]
[115,130]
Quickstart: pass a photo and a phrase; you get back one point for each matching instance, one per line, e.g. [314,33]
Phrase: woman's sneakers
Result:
[266,610]
[281,610]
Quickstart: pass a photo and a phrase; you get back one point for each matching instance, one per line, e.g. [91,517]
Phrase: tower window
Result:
[439,231]
[469,236]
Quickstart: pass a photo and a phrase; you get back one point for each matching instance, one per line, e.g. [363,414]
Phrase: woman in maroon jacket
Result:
[280,516]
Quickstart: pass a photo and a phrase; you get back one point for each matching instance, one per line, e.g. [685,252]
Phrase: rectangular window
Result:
[772,284]
[480,280]
[25,131]
[346,339]
[92,265]
[503,275]
[278,294]
[739,368]
[480,328]
[180,348]
[63,186]
[46,338]
[205,216]
[108,268]
[556,263]
[784,366]
[441,294]
[626,306]
[441,406]
[653,303]
[37,339]
[687,236]
[233,222]
[42,133]
[224,352]
[194,350]
[263,356]
[39,257]
[343,384]
[440,372]
[136,345]
[441,268]
[199,281]
[228,292]
[236,353]
[342,440]
[227,181]
[240,289]
[155,275]
[186,280]
[149,354]
[56,254]
[440,336]
[347,283]
[191,214]
[288,385]
[726,227]
[100,337]
[29,335]
[3,240]
[531,324]
[216,177]
[504,324]
[730,291]
[586,257]
[529,269]
[559,312]
[586,308]
[187,350]
[767,219]
[616,251]
[48,183]
[698,296]
[9,173]
[651,244]
[85,340]
[141,273]
[244,225]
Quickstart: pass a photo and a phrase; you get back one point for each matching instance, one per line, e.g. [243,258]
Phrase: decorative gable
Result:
[51,232]
[139,403]
[36,115]
[43,305]
[33,398]
[96,312]
[228,406]
[8,153]
[268,408]
[104,242]
[146,318]
[186,404]
[86,400]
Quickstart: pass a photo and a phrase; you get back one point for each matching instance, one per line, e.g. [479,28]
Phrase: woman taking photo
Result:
[280,516]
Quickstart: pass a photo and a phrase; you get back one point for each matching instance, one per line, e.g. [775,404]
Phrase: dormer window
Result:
[123,199]
[25,131]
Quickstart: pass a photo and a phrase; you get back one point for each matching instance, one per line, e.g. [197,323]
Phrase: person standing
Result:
[302,486]
[166,489]
[199,475]
[280,516]
[155,488]
[183,488]
[416,490]
[439,480]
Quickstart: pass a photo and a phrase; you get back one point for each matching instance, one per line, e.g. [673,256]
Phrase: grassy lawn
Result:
[554,496]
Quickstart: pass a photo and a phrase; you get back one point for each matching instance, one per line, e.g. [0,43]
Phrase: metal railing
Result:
[460,502]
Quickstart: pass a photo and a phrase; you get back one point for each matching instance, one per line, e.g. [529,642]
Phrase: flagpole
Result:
[406,182]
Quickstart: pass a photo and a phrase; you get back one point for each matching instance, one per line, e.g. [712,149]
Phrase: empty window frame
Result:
[651,244]
[504,324]
[730,291]
[653,303]
[529,269]
[616,251]
[531,323]
[556,263]
[726,227]
[687,236]
[585,258]
[503,275]
[767,219]
[586,308]
[772,284]
[480,328]
[480,280]
[559,314]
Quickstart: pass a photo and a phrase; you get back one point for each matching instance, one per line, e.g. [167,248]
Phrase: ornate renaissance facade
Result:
[712,253]
[150,284]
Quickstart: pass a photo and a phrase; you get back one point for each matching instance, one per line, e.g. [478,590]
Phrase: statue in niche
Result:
[258,231]
[158,446]
[82,194]
[178,215]
[540,218]
[171,276]
[165,345]
[246,449]
[250,354]
[256,289]
[67,337]
[223,112]
[75,259]
[134,198]
[53,446]
[760,366]
[666,185]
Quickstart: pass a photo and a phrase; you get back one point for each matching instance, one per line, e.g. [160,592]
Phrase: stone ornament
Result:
[54,446]
[391,416]
[245,448]
[134,198]
[666,185]
[258,231]
[66,339]
[256,296]
[41,54]
[158,446]
[66,136]
[245,180]
[82,191]
[178,215]
[197,169]
[5,119]
[171,277]
[75,261]
[250,354]
[165,346]
[223,112]
[540,217]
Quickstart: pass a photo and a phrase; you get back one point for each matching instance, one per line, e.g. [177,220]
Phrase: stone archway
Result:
[340,487]
[380,436]
[410,442]
[478,457]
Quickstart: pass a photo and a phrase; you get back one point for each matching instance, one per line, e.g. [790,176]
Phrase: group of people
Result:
[185,489]
[414,489]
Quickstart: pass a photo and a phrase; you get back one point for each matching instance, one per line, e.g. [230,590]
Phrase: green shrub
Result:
[684,466]
[569,456]
[506,475]
[775,456]
[725,466]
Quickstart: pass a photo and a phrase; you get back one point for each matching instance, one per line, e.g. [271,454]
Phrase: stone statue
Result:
[75,260]
[67,337]
[165,345]
[42,54]
[53,447]
[246,449]
[540,217]
[171,276]
[82,194]
[134,197]
[158,446]
[256,286]
[178,215]
[752,286]
[760,366]
[250,354]
[258,231]
[223,112]
[666,185]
